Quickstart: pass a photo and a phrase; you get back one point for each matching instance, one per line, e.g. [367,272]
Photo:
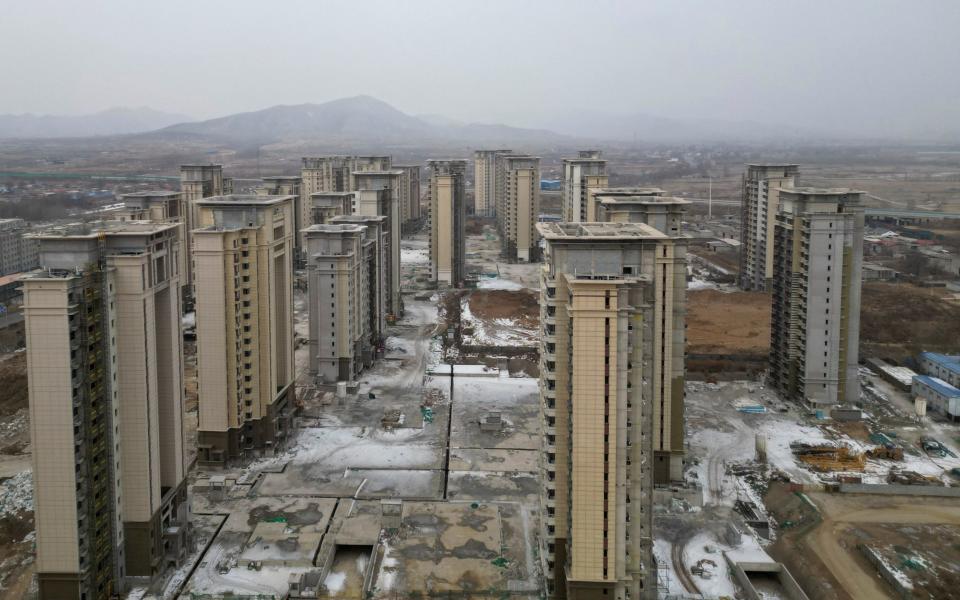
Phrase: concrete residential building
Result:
[815,320]
[377,194]
[593,204]
[243,256]
[663,213]
[197,182]
[487,174]
[587,171]
[18,252]
[327,205]
[409,193]
[448,216]
[159,206]
[759,206]
[290,185]
[105,367]
[376,229]
[612,373]
[335,173]
[519,208]
[345,333]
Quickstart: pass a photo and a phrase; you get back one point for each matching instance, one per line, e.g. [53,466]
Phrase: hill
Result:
[113,121]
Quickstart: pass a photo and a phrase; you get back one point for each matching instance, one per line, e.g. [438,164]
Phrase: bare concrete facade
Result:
[105,365]
[815,320]
[519,207]
[324,206]
[611,386]
[335,173]
[580,175]
[378,194]
[448,217]
[663,213]
[759,205]
[409,192]
[344,280]
[243,256]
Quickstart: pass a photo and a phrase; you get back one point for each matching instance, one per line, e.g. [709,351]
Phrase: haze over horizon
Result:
[857,67]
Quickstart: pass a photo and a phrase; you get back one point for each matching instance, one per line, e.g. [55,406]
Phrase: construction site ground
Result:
[469,495]
[724,424]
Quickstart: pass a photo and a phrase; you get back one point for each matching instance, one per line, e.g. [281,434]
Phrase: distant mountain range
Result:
[113,121]
[355,119]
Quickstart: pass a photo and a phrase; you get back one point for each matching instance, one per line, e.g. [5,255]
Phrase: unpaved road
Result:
[842,512]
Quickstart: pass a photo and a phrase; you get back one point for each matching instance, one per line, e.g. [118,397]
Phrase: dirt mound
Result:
[728,323]
[520,306]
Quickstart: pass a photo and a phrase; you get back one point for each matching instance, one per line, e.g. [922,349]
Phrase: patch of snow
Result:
[497,283]
[334,582]
[16,494]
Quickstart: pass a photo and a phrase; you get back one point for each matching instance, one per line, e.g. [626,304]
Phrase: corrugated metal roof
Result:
[951,363]
[938,385]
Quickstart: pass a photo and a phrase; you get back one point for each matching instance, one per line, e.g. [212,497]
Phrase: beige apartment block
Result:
[448,217]
[105,368]
[341,278]
[519,208]
[611,386]
[159,206]
[815,319]
[409,193]
[327,205]
[198,182]
[290,185]
[335,173]
[650,206]
[487,180]
[377,194]
[243,260]
[580,175]
[759,205]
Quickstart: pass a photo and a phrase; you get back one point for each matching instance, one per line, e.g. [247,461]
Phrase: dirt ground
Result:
[820,548]
[899,320]
[728,323]
[522,306]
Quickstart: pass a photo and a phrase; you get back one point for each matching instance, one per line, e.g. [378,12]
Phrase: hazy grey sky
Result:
[854,63]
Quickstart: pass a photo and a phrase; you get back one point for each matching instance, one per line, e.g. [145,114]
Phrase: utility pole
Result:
[710,199]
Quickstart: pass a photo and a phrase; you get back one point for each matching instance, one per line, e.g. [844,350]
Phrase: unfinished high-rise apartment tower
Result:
[198,182]
[519,207]
[409,193]
[291,185]
[487,174]
[105,371]
[378,195]
[612,299]
[759,205]
[346,295]
[243,257]
[581,175]
[815,321]
[448,217]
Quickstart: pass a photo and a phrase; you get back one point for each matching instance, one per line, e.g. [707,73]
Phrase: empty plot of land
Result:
[728,323]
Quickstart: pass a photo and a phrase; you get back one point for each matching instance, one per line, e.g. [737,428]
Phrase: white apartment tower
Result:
[815,321]
[105,368]
[243,257]
[611,387]
[759,205]
[580,175]
[448,221]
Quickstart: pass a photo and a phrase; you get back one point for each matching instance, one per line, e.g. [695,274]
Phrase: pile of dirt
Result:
[899,320]
[520,306]
[13,380]
[728,323]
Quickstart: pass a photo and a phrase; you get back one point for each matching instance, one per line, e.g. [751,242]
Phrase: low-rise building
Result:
[939,395]
[942,366]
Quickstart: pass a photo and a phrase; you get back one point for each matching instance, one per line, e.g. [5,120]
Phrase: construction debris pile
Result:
[828,457]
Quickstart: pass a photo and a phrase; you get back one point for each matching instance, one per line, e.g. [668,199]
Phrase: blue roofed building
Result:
[939,395]
[941,366]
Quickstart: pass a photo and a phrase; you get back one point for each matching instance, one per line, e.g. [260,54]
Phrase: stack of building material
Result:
[827,457]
